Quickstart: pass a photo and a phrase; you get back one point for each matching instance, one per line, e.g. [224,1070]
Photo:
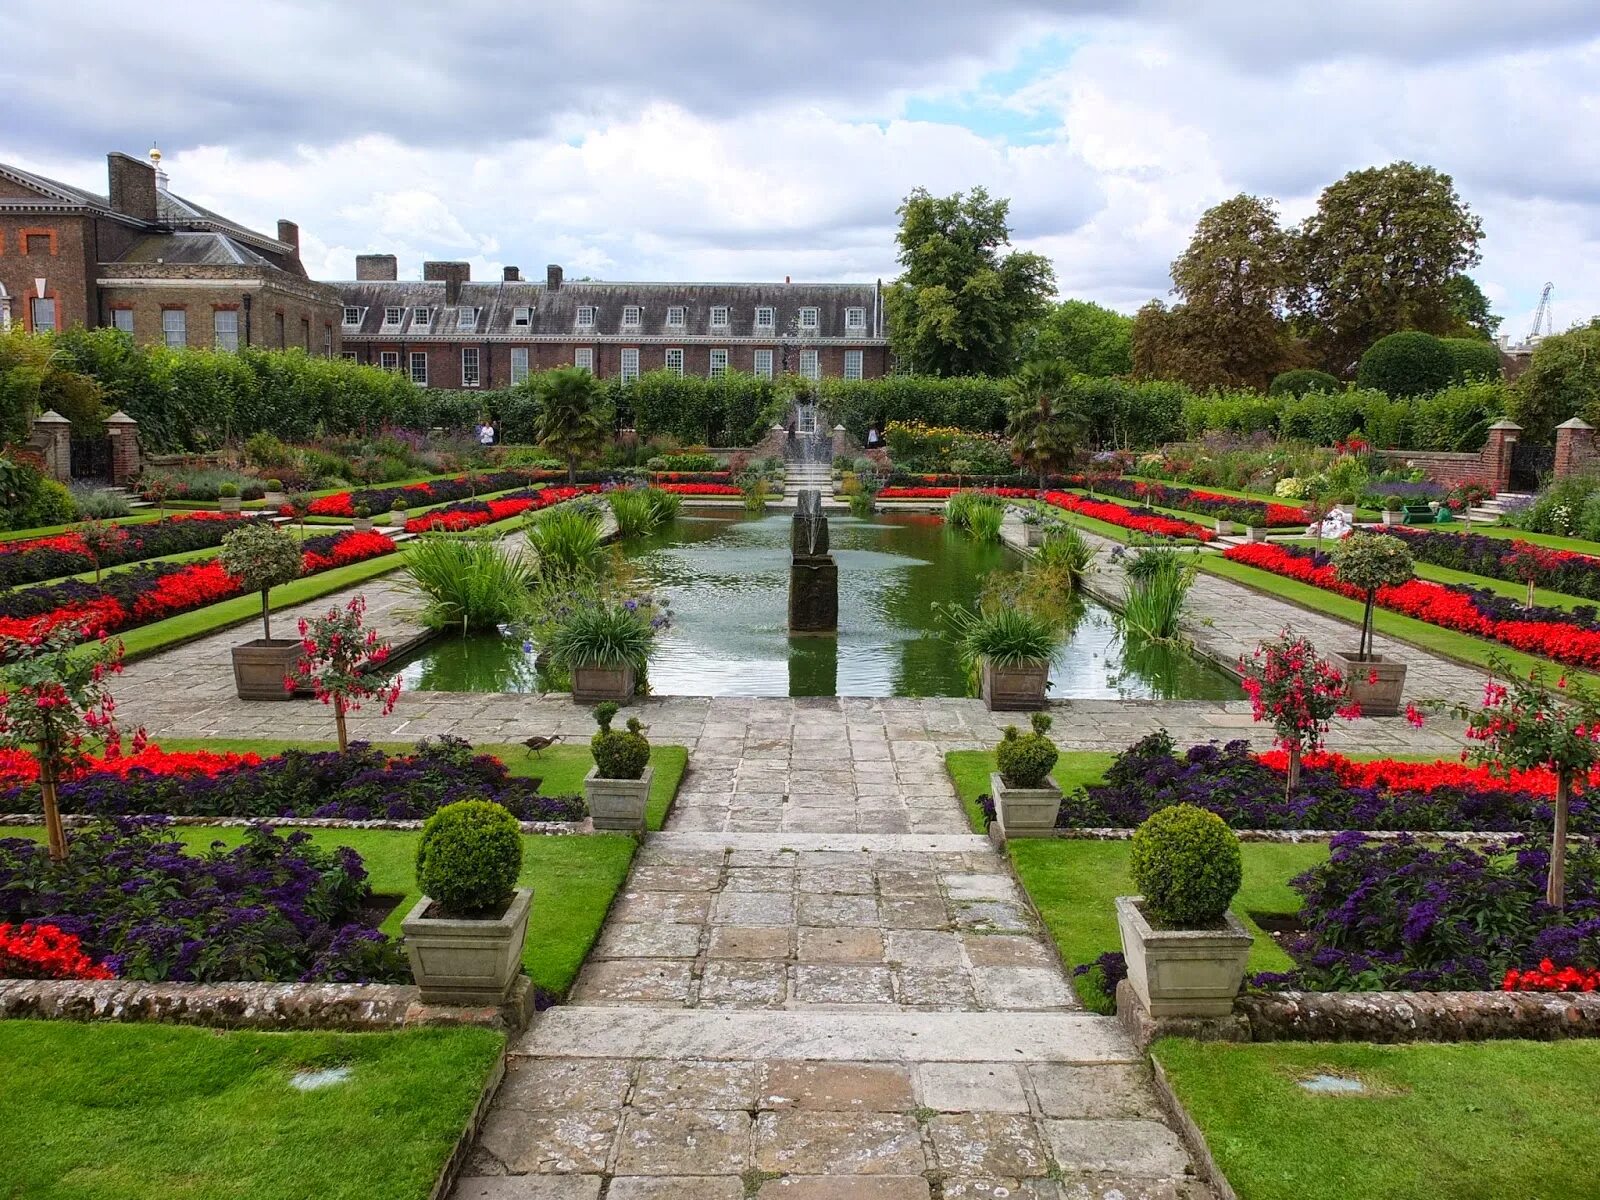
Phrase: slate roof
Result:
[554,315]
[211,249]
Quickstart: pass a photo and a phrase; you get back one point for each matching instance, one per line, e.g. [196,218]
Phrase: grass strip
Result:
[104,1111]
[17,535]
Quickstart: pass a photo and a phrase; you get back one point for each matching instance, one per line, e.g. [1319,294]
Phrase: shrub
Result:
[469,858]
[1393,502]
[1472,358]
[466,584]
[607,633]
[1458,417]
[1321,418]
[228,491]
[1186,863]
[1007,637]
[100,504]
[1298,383]
[274,485]
[619,753]
[1370,561]
[1408,363]
[261,556]
[1025,760]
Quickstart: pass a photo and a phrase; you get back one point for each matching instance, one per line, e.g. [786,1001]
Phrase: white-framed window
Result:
[763,364]
[632,316]
[672,360]
[808,320]
[677,317]
[519,363]
[349,356]
[419,368]
[852,364]
[719,316]
[766,318]
[855,320]
[394,316]
[122,318]
[583,357]
[810,368]
[352,315]
[719,363]
[389,360]
[174,326]
[468,318]
[522,315]
[630,364]
[44,314]
[327,341]
[469,366]
[225,329]
[421,318]
[585,316]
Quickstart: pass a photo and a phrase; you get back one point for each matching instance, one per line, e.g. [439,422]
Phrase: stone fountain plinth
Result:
[813,575]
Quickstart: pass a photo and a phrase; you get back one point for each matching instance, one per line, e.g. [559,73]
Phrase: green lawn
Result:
[108,1112]
[1553,540]
[1473,1121]
[970,770]
[139,517]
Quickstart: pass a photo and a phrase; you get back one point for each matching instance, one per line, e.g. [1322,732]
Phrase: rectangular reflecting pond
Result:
[726,576]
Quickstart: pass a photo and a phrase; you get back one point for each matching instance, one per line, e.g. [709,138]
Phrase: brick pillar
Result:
[1495,456]
[1574,446]
[52,438]
[841,441]
[126,462]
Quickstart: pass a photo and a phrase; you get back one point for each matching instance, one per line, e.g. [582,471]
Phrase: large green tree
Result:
[1562,381]
[1470,308]
[961,307]
[1381,254]
[571,417]
[1087,337]
[1043,422]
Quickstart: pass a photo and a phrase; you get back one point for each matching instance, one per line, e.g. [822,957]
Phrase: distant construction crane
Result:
[1543,318]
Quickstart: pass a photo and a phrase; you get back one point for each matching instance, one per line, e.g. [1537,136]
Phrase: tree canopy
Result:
[1470,308]
[1088,338]
[1562,381]
[961,306]
[571,419]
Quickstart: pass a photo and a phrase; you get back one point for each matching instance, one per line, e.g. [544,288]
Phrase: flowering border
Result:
[1140,520]
[1207,503]
[470,514]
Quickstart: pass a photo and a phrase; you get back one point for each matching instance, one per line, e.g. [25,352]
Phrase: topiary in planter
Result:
[1370,561]
[1185,861]
[619,754]
[228,491]
[261,556]
[1025,759]
[469,858]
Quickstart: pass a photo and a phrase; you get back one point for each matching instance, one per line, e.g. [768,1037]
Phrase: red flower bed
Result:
[1141,521]
[1422,776]
[944,493]
[1550,978]
[699,489]
[19,767]
[473,513]
[1552,633]
[340,504]
[30,951]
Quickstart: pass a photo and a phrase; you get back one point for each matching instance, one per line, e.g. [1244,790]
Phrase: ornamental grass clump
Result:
[984,521]
[1159,579]
[1006,636]
[1367,562]
[466,584]
[1186,863]
[606,633]
[618,753]
[1026,759]
[566,539]
[261,556]
[960,508]
[469,858]
[1065,558]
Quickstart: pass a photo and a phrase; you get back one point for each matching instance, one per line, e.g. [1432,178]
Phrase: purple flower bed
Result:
[1231,782]
[1511,560]
[1406,915]
[363,784]
[274,908]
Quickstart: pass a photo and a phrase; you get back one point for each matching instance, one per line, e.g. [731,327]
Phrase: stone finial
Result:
[51,417]
[1507,425]
[1575,423]
[120,418]
[838,428]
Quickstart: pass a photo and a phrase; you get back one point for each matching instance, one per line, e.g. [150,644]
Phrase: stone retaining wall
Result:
[1417,1016]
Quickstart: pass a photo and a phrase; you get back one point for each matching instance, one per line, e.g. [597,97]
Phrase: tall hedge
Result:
[967,402]
[1409,363]
[1472,359]
[1299,382]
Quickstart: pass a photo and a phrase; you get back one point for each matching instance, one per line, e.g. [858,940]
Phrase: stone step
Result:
[575,1031]
[886,843]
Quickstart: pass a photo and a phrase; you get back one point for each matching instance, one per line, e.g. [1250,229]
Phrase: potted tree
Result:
[1297,692]
[617,787]
[274,496]
[363,518]
[464,937]
[397,513]
[336,651]
[1010,646]
[228,497]
[604,647]
[261,556]
[1394,510]
[1367,562]
[1186,952]
[1026,799]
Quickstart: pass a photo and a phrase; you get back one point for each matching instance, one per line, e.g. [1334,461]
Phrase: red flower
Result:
[31,951]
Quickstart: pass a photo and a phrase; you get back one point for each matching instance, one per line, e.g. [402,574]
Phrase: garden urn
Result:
[1182,972]
[618,804]
[1376,683]
[1025,812]
[596,682]
[228,504]
[1016,688]
[461,960]
[260,667]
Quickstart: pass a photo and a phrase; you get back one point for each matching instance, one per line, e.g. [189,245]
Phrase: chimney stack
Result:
[289,232]
[512,275]
[452,274]
[377,267]
[132,187]
[552,278]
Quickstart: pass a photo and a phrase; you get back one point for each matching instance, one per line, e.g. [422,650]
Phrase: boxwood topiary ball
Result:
[1025,759]
[469,857]
[1186,863]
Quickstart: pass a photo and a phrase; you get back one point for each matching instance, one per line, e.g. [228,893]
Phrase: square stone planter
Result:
[362,524]
[1024,812]
[590,685]
[1224,528]
[1255,533]
[274,500]
[458,961]
[1378,697]
[397,520]
[618,803]
[259,667]
[1033,535]
[1394,518]
[1182,972]
[228,504]
[1013,689]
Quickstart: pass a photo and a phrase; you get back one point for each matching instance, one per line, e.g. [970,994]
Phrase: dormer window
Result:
[421,318]
[522,316]
[766,318]
[808,320]
[855,320]
[352,315]
[585,316]
[632,316]
[719,316]
[468,319]
[676,316]
[394,316]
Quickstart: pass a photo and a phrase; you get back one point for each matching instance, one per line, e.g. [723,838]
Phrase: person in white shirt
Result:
[486,434]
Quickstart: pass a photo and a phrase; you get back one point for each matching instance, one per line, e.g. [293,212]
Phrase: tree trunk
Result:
[266,615]
[1365,651]
[572,472]
[1292,775]
[56,835]
[1555,891]
[338,723]
[1530,594]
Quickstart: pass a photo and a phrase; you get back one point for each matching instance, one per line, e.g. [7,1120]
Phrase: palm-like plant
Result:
[1043,424]
[571,418]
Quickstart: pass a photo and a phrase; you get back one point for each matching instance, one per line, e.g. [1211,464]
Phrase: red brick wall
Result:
[68,272]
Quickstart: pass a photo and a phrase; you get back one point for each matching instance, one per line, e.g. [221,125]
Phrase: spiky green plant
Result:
[1007,636]
[1159,579]
[566,540]
[1064,558]
[984,521]
[466,584]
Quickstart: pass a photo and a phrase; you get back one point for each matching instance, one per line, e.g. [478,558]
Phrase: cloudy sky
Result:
[747,139]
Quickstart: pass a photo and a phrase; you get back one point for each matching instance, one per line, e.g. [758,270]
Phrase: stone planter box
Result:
[1348,510]
[1255,533]
[1033,535]
[1013,689]
[1224,528]
[1394,518]
[590,685]
[1024,812]
[274,500]
[1377,699]
[1182,972]
[398,519]
[228,504]
[457,961]
[618,804]
[363,524]
[259,667]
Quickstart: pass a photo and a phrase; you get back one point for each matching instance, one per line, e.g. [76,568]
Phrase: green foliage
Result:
[1085,338]
[261,556]
[1185,861]
[1006,636]
[983,523]
[1409,363]
[1064,558]
[607,633]
[641,510]
[1025,760]
[1302,380]
[566,539]
[1456,417]
[1321,418]
[619,753]
[469,857]
[960,508]
[1470,309]
[51,505]
[466,583]
[1159,579]
[960,308]
[228,491]
[684,462]
[100,503]
[571,417]
[1472,359]
[1043,422]
[966,402]
[1562,381]
[1369,561]
[732,409]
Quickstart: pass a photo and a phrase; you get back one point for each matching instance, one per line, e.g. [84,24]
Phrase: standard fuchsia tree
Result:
[1297,692]
[338,654]
[55,697]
